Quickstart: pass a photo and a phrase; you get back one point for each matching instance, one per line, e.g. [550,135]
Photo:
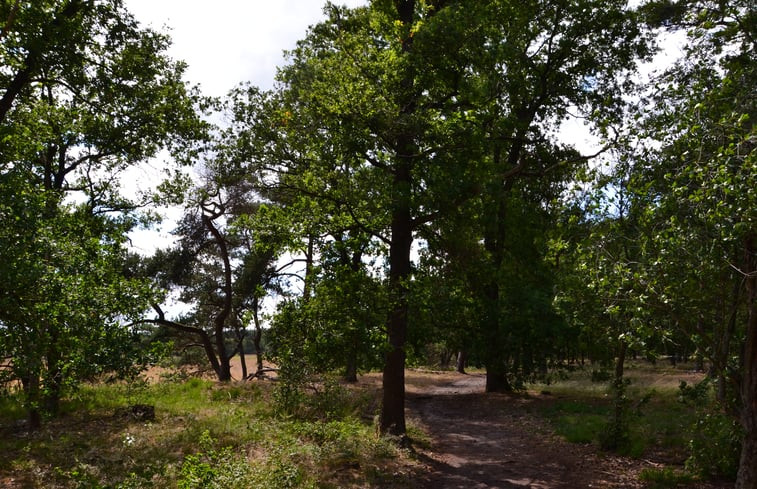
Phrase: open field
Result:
[209,435]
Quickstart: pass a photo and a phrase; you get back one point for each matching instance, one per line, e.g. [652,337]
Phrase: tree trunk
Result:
[30,384]
[219,323]
[496,379]
[747,475]
[54,381]
[462,359]
[350,370]
[242,359]
[393,402]
[620,361]
[392,419]
[256,337]
[309,254]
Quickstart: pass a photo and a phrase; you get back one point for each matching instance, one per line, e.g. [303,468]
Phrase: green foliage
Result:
[87,95]
[715,446]
[211,468]
[715,442]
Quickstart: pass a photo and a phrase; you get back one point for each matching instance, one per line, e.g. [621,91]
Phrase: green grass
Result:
[582,410]
[578,421]
[204,435]
[690,435]
[665,478]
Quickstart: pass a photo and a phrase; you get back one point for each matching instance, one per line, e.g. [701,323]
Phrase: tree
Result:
[87,94]
[402,111]
[221,268]
[697,166]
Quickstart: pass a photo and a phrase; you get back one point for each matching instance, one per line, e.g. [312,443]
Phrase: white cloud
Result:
[229,41]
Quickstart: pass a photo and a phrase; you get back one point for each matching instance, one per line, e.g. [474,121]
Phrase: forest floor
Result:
[461,437]
[482,440]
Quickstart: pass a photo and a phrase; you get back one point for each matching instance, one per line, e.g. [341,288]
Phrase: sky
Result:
[231,42]
[226,42]
[236,41]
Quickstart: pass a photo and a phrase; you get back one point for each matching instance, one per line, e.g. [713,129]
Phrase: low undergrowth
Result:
[653,417]
[203,435]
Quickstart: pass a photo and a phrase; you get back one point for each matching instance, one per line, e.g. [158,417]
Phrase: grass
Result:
[203,435]
[659,428]
[665,478]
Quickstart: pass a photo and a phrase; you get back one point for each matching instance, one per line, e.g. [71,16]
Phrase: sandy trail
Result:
[492,441]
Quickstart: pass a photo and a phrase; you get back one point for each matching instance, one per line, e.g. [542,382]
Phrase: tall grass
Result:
[203,435]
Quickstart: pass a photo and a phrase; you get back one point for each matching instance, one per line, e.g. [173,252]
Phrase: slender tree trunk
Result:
[242,359]
[308,269]
[462,359]
[220,320]
[747,475]
[724,345]
[54,381]
[257,337]
[620,361]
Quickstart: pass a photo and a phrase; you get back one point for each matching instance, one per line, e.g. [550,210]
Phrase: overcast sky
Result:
[226,42]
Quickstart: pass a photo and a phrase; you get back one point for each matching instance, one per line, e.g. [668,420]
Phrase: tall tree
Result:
[699,170]
[411,108]
[86,94]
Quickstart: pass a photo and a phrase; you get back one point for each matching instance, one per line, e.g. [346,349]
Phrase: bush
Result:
[715,446]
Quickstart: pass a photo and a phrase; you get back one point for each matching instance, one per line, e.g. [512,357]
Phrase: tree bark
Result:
[392,419]
[496,379]
[30,384]
[256,337]
[747,475]
[242,360]
[462,359]
[350,370]
[219,322]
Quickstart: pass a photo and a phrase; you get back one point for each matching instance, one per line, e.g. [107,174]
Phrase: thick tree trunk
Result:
[747,476]
[393,403]
[392,419]
[350,367]
[350,370]
[496,379]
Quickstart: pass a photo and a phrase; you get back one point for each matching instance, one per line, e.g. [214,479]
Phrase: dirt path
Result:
[491,441]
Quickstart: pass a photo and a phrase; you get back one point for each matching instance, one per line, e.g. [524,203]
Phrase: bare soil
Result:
[494,441]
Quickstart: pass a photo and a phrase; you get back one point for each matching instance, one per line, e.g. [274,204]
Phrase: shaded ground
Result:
[492,441]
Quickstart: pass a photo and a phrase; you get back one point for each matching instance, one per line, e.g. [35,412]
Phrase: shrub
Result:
[715,446]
